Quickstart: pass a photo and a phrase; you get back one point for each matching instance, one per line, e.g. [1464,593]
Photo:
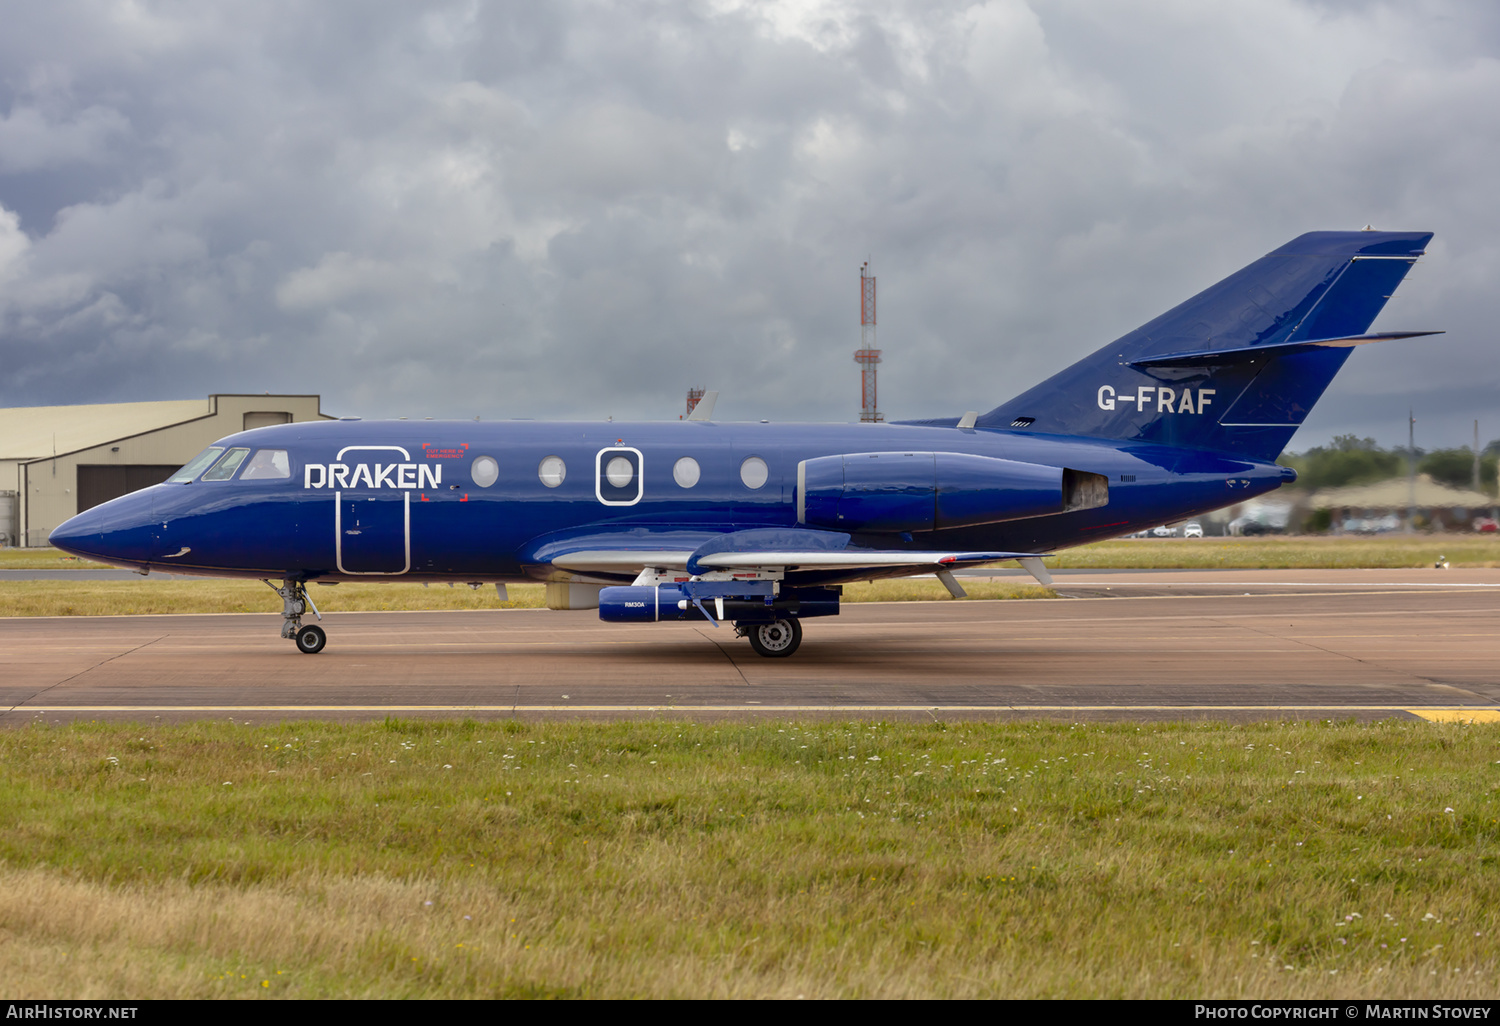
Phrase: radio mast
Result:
[867,356]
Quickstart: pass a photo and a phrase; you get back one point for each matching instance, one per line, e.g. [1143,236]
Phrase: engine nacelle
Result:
[927,491]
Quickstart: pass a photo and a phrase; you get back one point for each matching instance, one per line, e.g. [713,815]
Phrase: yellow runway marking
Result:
[1458,715]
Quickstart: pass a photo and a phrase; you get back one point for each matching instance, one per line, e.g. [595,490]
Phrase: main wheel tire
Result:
[777,639]
[311,639]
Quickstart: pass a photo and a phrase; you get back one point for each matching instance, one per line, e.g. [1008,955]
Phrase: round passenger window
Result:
[552,471]
[485,471]
[618,472]
[685,472]
[753,472]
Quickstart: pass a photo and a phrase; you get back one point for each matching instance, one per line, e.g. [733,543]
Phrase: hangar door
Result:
[255,420]
[100,482]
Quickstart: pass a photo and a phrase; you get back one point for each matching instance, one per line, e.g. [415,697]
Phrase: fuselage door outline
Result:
[338,519]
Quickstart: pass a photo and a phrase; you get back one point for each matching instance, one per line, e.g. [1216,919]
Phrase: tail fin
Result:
[1238,367]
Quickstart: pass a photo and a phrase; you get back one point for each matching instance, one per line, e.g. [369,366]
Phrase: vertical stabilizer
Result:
[1235,368]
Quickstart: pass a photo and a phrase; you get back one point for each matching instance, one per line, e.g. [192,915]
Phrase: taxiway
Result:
[1234,645]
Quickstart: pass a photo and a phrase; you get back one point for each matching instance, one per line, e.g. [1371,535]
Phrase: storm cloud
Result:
[581,209]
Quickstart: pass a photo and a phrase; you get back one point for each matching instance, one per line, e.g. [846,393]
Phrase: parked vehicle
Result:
[1192,529]
[1373,525]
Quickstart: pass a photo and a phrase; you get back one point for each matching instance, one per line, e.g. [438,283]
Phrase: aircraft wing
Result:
[621,561]
[630,560]
[854,559]
[803,563]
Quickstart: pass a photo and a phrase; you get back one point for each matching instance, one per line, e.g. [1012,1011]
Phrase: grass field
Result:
[1292,552]
[776,860]
[143,598]
[43,559]
[97,598]
[1295,552]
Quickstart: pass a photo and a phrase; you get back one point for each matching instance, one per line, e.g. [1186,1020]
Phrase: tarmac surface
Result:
[1139,645]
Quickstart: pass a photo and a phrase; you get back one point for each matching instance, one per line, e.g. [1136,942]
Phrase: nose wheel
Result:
[294,602]
[775,640]
[311,639]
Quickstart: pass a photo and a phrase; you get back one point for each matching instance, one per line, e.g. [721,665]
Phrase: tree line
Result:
[1350,460]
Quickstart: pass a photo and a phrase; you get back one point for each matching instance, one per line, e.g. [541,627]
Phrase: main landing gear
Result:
[295,601]
[775,640]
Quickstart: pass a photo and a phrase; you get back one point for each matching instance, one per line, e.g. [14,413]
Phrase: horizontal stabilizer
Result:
[1249,354]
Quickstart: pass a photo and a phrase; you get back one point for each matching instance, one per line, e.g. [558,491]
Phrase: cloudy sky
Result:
[581,209]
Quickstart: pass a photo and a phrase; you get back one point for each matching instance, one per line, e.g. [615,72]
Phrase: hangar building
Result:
[57,461]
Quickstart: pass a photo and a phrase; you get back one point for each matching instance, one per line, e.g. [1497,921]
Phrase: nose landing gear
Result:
[294,602]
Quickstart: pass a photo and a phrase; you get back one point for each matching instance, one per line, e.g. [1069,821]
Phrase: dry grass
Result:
[817,859]
[1297,552]
[43,559]
[158,597]
[929,589]
[145,597]
[100,598]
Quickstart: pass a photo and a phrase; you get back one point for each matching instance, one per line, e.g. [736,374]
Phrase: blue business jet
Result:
[759,525]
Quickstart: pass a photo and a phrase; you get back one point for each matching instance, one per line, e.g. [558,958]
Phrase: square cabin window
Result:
[267,465]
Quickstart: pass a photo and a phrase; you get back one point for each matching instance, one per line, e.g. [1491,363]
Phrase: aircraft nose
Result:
[120,531]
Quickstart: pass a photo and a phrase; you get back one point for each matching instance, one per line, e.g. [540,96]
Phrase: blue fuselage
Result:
[371,500]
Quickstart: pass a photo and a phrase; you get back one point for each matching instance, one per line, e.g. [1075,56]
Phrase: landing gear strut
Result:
[294,602]
[775,640]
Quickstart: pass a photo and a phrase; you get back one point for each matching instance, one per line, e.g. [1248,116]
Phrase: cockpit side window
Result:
[195,466]
[266,465]
[227,465]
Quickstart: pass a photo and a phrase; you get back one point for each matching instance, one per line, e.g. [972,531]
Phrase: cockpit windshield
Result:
[195,466]
[267,464]
[225,468]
